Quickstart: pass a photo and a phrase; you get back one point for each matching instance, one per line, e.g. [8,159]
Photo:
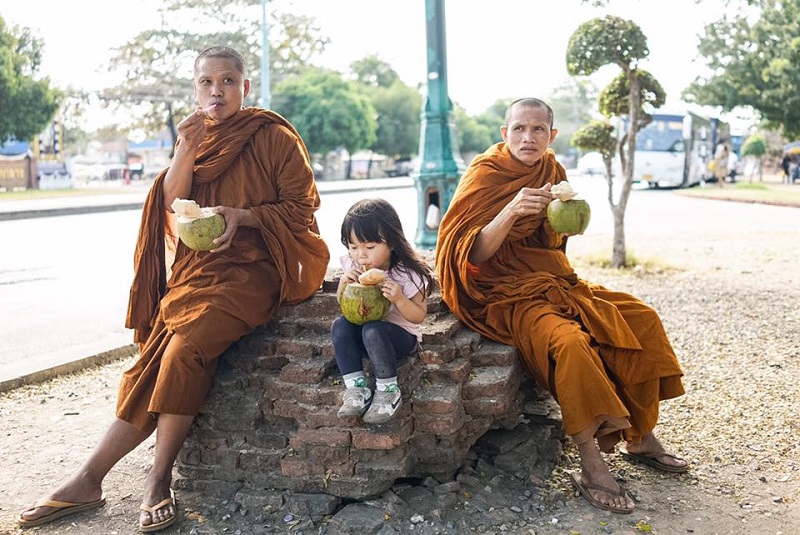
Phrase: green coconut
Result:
[199,233]
[361,303]
[569,217]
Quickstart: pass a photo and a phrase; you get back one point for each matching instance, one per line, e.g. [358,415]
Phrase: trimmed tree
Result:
[615,41]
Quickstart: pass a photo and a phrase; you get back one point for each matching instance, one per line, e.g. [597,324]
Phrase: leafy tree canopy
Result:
[373,71]
[158,64]
[572,103]
[602,41]
[754,63]
[327,110]
[29,104]
[597,136]
[754,146]
[398,108]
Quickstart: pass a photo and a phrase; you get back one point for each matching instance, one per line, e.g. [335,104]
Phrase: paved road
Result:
[64,299]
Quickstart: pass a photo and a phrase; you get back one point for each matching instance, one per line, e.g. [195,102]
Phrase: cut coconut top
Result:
[564,191]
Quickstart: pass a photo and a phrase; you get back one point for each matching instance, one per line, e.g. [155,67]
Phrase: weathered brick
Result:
[440,424]
[324,417]
[494,354]
[294,467]
[440,331]
[436,399]
[437,354]
[259,460]
[457,371]
[490,381]
[290,409]
[310,371]
[487,406]
[328,437]
[385,437]
[328,455]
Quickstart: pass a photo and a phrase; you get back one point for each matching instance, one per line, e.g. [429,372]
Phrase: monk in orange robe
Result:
[186,307]
[503,271]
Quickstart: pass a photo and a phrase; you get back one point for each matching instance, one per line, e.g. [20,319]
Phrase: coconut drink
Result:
[363,301]
[197,227]
[567,213]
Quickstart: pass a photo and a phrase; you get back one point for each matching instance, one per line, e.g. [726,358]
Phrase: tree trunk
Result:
[619,254]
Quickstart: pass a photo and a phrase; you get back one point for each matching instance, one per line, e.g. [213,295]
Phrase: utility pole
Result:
[440,169]
[265,90]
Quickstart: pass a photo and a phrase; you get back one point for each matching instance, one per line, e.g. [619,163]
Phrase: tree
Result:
[572,104]
[29,104]
[328,111]
[754,63]
[615,41]
[158,64]
[756,147]
[373,71]
[398,109]
[477,133]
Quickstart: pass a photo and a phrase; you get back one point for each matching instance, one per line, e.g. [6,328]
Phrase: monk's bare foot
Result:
[155,493]
[77,489]
[652,446]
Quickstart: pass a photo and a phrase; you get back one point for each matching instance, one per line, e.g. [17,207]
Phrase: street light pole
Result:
[265,90]
[439,170]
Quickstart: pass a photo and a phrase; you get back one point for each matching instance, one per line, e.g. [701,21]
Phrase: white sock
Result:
[354,379]
[387,385]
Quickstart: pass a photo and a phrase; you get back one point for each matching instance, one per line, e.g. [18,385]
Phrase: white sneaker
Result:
[355,401]
[384,406]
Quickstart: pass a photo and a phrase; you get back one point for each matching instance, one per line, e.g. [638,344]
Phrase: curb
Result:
[68,210]
[41,376]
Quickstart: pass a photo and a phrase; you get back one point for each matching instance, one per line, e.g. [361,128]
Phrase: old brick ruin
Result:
[270,421]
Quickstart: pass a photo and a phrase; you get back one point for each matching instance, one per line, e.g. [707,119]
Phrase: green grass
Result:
[756,192]
[632,262]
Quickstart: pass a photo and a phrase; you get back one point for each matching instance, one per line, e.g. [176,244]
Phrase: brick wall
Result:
[270,420]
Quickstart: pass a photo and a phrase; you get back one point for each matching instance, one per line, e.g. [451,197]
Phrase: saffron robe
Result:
[254,160]
[603,355]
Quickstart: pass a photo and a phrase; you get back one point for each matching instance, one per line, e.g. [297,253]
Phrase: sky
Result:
[495,49]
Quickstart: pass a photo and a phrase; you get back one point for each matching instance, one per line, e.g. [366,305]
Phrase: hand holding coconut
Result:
[198,228]
[568,214]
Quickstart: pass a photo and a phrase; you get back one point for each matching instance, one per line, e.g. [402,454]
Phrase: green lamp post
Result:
[440,169]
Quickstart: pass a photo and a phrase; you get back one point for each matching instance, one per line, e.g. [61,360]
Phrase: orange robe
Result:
[602,354]
[254,160]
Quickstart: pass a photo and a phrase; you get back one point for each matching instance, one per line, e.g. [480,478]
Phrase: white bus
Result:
[674,150]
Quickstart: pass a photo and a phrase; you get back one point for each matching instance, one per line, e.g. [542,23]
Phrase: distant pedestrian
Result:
[786,165]
[721,163]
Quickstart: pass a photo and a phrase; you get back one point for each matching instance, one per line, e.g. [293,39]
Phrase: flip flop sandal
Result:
[158,526]
[62,509]
[651,459]
[584,488]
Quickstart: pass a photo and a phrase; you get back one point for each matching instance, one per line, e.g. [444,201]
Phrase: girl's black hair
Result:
[376,220]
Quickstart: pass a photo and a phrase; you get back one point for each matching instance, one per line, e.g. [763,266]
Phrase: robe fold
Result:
[254,160]
[617,364]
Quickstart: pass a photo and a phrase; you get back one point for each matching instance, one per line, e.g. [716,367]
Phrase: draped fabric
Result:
[527,295]
[254,160]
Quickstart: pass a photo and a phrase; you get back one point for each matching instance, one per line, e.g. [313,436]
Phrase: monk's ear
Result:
[553,134]
[246,87]
[504,132]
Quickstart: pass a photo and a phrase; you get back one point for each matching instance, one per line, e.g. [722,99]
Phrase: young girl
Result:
[374,238]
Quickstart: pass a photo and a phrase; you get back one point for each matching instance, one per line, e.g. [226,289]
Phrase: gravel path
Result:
[731,305]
